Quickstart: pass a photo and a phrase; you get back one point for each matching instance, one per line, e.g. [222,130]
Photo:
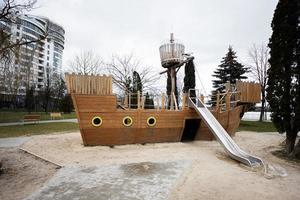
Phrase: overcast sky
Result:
[205,27]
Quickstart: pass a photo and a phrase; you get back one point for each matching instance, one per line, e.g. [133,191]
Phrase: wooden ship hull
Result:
[103,122]
[170,126]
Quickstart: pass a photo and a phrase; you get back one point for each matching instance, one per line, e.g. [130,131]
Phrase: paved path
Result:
[40,122]
[146,180]
[13,142]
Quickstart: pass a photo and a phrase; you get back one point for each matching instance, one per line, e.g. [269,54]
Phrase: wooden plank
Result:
[41,157]
[91,103]
[249,92]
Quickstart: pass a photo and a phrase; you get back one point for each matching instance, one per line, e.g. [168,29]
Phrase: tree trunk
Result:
[297,150]
[263,104]
[290,142]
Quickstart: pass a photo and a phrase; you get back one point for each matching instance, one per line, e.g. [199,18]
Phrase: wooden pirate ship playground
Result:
[104,120]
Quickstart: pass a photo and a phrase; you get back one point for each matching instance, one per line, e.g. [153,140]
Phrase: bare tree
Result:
[12,69]
[122,68]
[86,63]
[258,68]
[10,10]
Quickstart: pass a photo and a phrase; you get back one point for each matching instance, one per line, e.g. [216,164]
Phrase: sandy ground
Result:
[23,174]
[210,175]
[67,149]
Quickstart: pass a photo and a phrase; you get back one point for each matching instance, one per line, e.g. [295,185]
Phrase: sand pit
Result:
[211,174]
[67,149]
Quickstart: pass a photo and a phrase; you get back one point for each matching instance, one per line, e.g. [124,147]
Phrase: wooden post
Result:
[176,106]
[126,100]
[227,86]
[138,100]
[227,99]
[173,84]
[183,101]
[202,98]
[143,102]
[163,107]
[218,102]
[129,106]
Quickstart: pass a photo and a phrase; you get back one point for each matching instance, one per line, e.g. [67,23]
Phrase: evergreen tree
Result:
[66,104]
[136,82]
[189,78]
[283,91]
[59,93]
[229,70]
[46,94]
[149,103]
[136,86]
[29,99]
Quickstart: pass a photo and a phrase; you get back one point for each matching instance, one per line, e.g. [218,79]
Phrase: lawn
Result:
[37,129]
[257,126]
[10,116]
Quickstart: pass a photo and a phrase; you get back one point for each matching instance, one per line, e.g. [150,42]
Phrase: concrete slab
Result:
[13,142]
[131,181]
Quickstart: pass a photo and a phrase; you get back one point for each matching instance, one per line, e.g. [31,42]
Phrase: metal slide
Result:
[222,136]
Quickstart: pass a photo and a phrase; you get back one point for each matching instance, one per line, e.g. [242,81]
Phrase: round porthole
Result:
[127,121]
[97,121]
[151,121]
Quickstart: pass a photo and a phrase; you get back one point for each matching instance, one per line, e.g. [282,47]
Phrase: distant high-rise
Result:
[39,61]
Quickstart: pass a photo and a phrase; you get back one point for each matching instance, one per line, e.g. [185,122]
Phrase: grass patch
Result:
[10,116]
[36,129]
[257,126]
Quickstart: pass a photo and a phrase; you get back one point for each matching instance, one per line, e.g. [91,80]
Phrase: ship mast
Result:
[173,57]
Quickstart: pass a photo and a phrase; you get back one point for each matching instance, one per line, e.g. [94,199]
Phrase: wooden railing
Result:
[89,84]
[138,101]
[250,91]
[224,101]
